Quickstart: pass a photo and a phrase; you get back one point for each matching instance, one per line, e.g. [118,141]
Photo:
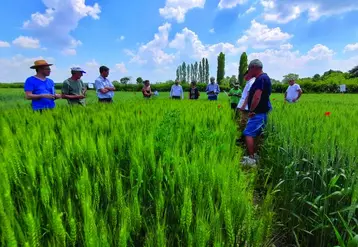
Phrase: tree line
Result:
[199,72]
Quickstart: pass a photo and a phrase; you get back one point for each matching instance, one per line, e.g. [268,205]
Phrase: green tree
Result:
[221,68]
[200,72]
[183,70]
[207,74]
[139,80]
[316,77]
[353,72]
[203,73]
[290,76]
[242,68]
[125,80]
[178,74]
[196,68]
[188,73]
[192,72]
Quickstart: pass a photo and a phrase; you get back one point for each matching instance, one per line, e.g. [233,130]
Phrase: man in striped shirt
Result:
[212,90]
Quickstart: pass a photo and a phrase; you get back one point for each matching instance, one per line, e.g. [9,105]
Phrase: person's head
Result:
[104,71]
[255,68]
[146,83]
[291,81]
[42,68]
[77,73]
[193,84]
[177,82]
[236,86]
[212,80]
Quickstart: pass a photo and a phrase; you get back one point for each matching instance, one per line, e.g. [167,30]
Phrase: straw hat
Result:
[40,63]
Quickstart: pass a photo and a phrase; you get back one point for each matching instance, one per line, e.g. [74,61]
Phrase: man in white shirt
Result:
[176,91]
[293,92]
[243,107]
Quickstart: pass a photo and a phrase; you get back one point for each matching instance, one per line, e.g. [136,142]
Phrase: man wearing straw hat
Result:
[39,88]
[73,88]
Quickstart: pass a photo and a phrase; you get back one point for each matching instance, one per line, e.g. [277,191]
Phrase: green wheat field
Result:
[167,173]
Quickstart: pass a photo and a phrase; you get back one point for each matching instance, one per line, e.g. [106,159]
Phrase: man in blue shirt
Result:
[259,106]
[104,88]
[40,89]
[212,89]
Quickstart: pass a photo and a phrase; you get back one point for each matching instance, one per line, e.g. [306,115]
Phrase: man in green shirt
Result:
[73,88]
[235,94]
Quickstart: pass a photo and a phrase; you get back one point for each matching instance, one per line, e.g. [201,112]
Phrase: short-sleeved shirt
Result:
[38,86]
[235,99]
[194,93]
[263,83]
[71,87]
[101,83]
[292,92]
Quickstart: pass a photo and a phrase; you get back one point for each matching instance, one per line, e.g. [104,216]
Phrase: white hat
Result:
[77,69]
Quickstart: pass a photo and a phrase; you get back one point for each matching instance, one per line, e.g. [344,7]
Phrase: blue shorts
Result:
[256,125]
[213,97]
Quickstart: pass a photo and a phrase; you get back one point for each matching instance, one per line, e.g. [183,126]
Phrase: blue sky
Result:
[151,38]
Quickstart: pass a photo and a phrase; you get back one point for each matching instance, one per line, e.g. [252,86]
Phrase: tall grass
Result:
[311,155]
[138,173]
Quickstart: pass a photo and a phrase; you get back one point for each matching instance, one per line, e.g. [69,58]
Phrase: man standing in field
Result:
[194,91]
[212,90]
[242,106]
[176,91]
[40,89]
[293,92]
[235,94]
[73,88]
[105,89]
[259,105]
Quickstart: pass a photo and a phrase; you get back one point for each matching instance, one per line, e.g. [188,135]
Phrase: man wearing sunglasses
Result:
[40,89]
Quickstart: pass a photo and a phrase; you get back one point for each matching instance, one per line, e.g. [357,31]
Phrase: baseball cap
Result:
[256,63]
[77,69]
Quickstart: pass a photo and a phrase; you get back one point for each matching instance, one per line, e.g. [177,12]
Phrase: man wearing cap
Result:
[212,90]
[73,88]
[259,105]
[293,92]
[105,89]
[40,89]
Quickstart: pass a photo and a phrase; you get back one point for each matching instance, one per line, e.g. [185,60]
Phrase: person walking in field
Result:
[212,90]
[259,106]
[40,89]
[176,91]
[293,92]
[104,88]
[242,106]
[146,90]
[235,94]
[73,88]
[194,91]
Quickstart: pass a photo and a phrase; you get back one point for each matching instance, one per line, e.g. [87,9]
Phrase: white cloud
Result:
[92,64]
[26,42]
[4,44]
[250,10]
[212,30]
[153,50]
[60,18]
[228,4]
[260,36]
[278,62]
[177,9]
[121,38]
[286,11]
[69,52]
[121,67]
[351,47]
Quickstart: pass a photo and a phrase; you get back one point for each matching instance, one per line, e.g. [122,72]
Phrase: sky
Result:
[151,38]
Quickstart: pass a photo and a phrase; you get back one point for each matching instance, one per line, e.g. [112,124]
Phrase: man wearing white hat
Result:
[73,88]
[39,88]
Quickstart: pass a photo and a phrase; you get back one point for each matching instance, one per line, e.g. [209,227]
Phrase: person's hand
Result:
[48,96]
[251,114]
[242,108]
[294,100]
[58,96]
[82,97]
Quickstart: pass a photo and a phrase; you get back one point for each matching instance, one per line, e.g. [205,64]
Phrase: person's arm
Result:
[207,90]
[299,90]
[218,89]
[100,87]
[230,92]
[255,101]
[182,92]
[171,92]
[243,107]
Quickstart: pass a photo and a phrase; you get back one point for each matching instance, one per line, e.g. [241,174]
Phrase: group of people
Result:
[252,105]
